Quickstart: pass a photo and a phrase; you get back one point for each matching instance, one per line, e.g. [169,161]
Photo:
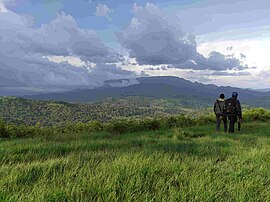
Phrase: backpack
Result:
[219,107]
[231,106]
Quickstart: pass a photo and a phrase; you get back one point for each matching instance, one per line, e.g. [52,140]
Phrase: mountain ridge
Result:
[157,87]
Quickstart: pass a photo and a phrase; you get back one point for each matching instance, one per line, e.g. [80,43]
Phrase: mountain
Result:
[149,96]
[156,87]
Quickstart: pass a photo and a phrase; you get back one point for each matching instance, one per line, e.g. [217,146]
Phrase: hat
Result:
[235,94]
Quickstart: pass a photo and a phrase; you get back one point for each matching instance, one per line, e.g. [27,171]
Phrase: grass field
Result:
[179,164]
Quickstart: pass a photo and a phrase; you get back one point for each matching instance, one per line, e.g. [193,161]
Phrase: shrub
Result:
[151,124]
[206,119]
[22,131]
[184,121]
[3,131]
[117,127]
[258,114]
[171,122]
[132,125]
[94,126]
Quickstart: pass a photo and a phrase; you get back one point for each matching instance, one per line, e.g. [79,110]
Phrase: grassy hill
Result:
[31,112]
[177,164]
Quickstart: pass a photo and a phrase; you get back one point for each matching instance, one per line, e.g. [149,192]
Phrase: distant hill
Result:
[155,87]
[263,90]
[31,112]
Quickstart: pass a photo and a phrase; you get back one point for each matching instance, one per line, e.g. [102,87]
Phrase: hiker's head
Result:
[234,94]
[222,96]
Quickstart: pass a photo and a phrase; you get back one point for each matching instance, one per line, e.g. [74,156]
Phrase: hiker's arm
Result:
[225,108]
[239,110]
[215,106]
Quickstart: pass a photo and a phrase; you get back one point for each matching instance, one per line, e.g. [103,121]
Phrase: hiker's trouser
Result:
[232,119]
[218,121]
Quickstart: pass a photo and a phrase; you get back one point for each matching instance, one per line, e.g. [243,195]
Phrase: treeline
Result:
[121,126]
[48,113]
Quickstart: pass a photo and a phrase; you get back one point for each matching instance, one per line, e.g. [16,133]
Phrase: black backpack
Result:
[231,106]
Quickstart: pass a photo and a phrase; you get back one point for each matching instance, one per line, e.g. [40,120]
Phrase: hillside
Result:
[31,112]
[260,102]
[155,87]
[179,164]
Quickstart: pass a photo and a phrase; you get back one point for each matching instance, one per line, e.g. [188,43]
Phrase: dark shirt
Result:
[238,109]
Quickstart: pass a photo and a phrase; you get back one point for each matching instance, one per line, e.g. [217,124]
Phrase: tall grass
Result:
[176,164]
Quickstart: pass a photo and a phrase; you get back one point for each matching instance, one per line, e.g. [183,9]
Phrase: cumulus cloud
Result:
[63,37]
[153,38]
[102,10]
[60,37]
[218,61]
[27,53]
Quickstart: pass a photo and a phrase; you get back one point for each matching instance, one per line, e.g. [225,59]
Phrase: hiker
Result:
[233,111]
[219,108]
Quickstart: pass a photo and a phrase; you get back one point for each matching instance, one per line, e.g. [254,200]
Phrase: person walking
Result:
[219,110]
[233,110]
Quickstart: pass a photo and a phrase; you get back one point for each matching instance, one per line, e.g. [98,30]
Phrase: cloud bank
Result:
[25,50]
[60,53]
[153,38]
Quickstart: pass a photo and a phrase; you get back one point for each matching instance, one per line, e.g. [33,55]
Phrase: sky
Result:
[86,42]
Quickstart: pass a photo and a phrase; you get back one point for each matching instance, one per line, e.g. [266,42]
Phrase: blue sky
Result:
[208,41]
[197,16]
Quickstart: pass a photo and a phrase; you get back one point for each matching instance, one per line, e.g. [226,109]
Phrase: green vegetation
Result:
[260,102]
[176,164]
[21,111]
[164,158]
[46,113]
[56,113]
[123,125]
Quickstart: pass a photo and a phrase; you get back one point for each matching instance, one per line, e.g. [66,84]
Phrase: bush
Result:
[93,126]
[178,121]
[3,131]
[132,125]
[117,127]
[258,114]
[22,131]
[151,124]
[171,122]
[206,119]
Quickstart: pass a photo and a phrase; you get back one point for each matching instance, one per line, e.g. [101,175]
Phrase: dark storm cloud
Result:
[154,39]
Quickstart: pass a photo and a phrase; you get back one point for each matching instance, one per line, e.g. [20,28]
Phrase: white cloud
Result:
[102,10]
[154,38]
[72,60]
[60,53]
[2,7]
[255,50]
[250,78]
[54,54]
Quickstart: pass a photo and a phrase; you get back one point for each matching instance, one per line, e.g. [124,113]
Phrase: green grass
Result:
[178,164]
